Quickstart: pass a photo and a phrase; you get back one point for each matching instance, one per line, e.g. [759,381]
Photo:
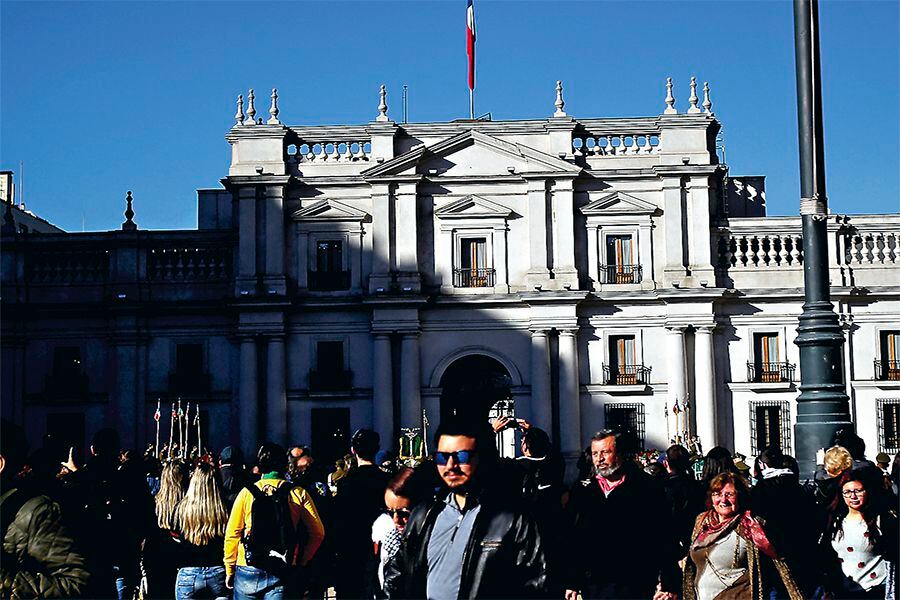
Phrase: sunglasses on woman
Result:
[462,457]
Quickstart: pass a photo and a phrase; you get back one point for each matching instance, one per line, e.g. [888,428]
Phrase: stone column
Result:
[501,278]
[541,411]
[593,253]
[705,386]
[675,373]
[564,272]
[569,397]
[383,389]
[246,278]
[410,400]
[276,399]
[538,272]
[248,428]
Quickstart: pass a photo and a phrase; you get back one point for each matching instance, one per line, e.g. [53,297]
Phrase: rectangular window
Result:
[189,359]
[330,357]
[626,416]
[329,256]
[767,366]
[473,269]
[889,425]
[620,264]
[888,368]
[770,425]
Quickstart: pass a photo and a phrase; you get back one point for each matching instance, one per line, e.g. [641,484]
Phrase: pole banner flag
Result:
[470,42]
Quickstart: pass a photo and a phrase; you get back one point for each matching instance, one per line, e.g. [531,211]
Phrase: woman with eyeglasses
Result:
[406,489]
[860,542]
[728,548]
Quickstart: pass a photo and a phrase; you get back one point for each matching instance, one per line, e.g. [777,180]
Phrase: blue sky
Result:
[103,97]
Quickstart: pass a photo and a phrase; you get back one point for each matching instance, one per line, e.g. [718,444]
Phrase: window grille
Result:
[889,425]
[627,416]
[770,425]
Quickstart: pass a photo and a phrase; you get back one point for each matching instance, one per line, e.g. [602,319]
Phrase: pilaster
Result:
[539,273]
[569,399]
[565,276]
[274,280]
[541,410]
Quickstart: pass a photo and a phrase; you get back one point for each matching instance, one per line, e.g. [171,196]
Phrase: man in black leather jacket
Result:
[470,541]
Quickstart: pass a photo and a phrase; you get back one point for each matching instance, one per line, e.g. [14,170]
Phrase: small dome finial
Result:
[251,109]
[273,110]
[560,103]
[707,103]
[129,224]
[382,105]
[670,99]
[694,109]
[239,115]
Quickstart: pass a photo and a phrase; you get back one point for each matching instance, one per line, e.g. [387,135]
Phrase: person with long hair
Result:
[200,520]
[161,545]
[728,547]
[860,541]
[717,460]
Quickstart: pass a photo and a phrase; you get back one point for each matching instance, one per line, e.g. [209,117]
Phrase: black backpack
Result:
[272,540]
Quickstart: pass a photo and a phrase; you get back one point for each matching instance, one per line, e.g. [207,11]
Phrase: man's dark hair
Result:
[626,441]
[537,442]
[270,458]
[470,427]
[13,447]
[365,443]
[854,444]
[679,458]
[106,443]
[772,457]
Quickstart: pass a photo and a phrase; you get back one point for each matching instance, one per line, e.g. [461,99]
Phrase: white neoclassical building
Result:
[577,272]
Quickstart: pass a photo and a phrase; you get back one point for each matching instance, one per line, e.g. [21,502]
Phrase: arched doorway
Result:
[478,387]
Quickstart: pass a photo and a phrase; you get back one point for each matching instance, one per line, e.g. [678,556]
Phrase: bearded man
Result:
[473,540]
[622,545]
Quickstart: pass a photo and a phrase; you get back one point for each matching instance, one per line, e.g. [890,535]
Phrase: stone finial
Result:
[707,103]
[694,109]
[251,109]
[273,110]
[239,115]
[382,106]
[670,99]
[560,103]
[129,224]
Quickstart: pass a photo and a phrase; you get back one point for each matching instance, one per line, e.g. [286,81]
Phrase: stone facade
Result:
[574,272]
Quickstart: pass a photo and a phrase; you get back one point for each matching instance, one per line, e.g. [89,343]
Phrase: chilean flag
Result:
[470,42]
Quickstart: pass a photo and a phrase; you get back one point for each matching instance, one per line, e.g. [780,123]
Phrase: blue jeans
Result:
[251,583]
[201,582]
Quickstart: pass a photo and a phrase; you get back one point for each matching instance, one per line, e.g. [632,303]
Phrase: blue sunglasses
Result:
[462,457]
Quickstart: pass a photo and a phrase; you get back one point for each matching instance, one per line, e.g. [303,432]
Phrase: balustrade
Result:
[189,264]
[590,145]
[67,266]
[330,151]
[749,251]
[871,248]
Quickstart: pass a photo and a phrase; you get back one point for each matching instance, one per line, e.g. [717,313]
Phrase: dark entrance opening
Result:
[472,385]
[330,434]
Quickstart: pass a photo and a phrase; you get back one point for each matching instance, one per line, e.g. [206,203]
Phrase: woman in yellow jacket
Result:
[252,582]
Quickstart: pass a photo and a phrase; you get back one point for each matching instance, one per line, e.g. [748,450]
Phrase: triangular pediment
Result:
[472,153]
[330,210]
[619,203]
[472,207]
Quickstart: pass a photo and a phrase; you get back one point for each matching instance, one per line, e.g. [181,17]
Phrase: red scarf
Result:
[609,485]
[712,529]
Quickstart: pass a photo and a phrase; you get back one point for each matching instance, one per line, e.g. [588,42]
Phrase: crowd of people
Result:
[461,523]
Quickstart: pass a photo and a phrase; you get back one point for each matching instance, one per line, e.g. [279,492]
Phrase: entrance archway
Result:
[477,387]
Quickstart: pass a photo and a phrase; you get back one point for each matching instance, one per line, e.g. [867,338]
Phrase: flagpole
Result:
[197,420]
[171,429]
[157,415]
[471,105]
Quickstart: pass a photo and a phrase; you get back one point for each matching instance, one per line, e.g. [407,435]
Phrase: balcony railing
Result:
[328,281]
[620,273]
[626,374]
[189,383]
[330,381]
[887,370]
[770,372]
[473,278]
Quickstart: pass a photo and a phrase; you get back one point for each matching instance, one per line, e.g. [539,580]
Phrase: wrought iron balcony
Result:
[473,278]
[626,374]
[328,281]
[887,370]
[620,273]
[770,372]
[187,384]
[330,381]
[67,386]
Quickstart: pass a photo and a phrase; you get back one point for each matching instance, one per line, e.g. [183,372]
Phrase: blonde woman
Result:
[200,523]
[160,545]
